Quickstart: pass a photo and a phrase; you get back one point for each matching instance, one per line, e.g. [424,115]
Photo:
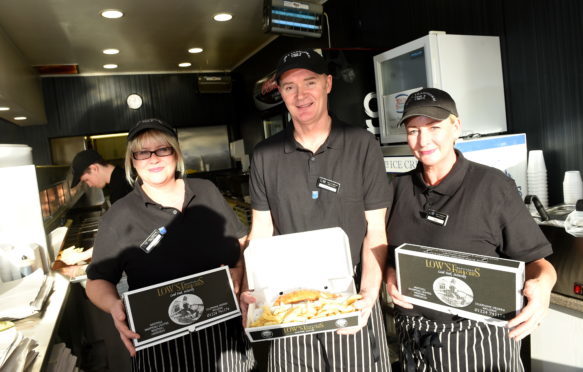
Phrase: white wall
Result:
[557,346]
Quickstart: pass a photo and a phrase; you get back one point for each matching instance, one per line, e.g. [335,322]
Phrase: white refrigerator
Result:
[468,67]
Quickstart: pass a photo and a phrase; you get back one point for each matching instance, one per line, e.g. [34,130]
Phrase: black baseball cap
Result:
[431,102]
[81,162]
[146,124]
[302,58]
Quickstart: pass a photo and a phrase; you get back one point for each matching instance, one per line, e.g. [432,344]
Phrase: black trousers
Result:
[461,346]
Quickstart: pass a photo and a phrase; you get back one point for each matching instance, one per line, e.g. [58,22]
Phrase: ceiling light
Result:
[110,66]
[222,17]
[111,13]
[184,64]
[110,51]
[4,108]
[194,50]
[20,118]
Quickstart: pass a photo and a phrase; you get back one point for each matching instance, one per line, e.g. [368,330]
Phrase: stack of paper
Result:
[61,359]
[24,297]
[16,352]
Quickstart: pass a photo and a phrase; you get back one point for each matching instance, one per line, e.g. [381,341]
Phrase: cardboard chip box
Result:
[477,287]
[172,309]
[316,260]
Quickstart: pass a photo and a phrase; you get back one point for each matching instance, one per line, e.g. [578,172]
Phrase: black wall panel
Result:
[10,133]
[88,105]
[545,76]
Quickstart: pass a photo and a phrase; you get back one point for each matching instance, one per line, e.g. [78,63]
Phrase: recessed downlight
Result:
[184,64]
[20,118]
[222,17]
[110,66]
[111,51]
[4,108]
[195,50]
[112,13]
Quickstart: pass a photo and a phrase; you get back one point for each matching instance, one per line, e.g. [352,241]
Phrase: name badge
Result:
[153,239]
[327,184]
[435,217]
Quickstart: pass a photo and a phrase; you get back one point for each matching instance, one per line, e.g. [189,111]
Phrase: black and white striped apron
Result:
[222,347]
[461,346]
[366,350]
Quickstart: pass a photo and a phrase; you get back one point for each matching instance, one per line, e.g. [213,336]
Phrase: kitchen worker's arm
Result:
[238,271]
[374,255]
[104,295]
[261,226]
[540,279]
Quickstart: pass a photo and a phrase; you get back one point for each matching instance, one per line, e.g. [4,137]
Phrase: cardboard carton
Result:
[174,308]
[477,287]
[318,260]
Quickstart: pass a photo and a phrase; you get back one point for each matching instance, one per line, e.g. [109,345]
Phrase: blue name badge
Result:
[315,194]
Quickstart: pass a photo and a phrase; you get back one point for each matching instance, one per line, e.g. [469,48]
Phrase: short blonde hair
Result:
[156,136]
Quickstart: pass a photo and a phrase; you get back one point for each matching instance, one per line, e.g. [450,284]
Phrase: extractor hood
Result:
[20,86]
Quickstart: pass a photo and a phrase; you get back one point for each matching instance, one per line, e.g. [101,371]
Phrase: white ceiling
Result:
[153,36]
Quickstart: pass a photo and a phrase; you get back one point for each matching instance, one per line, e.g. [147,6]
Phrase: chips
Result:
[302,295]
[325,305]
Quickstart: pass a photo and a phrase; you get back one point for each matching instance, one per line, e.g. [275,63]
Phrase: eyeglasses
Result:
[145,154]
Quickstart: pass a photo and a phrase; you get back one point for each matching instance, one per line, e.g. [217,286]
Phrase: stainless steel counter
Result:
[568,302]
[41,327]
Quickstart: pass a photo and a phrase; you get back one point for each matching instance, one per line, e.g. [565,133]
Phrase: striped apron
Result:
[461,346]
[222,347]
[366,350]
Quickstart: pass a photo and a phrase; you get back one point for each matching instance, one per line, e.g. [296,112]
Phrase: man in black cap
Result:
[452,203]
[89,167]
[320,173]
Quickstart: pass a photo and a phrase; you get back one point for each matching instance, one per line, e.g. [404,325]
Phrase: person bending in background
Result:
[321,173]
[89,167]
[202,233]
[486,216]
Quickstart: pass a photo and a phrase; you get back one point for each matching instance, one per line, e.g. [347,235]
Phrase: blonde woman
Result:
[452,203]
[202,232]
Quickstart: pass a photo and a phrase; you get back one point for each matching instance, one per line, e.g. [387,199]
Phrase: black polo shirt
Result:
[486,216]
[201,237]
[118,185]
[284,180]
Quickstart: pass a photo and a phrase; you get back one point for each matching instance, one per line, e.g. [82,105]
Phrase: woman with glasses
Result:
[202,233]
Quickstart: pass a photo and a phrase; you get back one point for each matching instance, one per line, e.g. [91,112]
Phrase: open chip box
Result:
[472,286]
[318,259]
